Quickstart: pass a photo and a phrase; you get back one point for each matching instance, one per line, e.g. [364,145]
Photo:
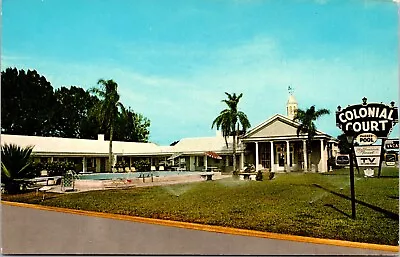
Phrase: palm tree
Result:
[107,110]
[229,121]
[306,119]
[15,167]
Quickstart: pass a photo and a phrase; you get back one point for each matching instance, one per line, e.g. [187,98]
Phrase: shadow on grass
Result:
[336,209]
[388,214]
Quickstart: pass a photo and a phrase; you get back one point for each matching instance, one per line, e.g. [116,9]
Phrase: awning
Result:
[213,155]
[174,156]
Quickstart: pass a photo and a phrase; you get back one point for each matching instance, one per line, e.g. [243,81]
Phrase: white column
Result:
[272,157]
[205,162]
[256,156]
[323,162]
[242,161]
[287,156]
[305,155]
[84,168]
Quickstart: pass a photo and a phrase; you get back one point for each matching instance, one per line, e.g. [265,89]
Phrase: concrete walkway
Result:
[35,231]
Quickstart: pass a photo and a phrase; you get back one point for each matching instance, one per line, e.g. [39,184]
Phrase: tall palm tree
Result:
[229,121]
[107,109]
[306,119]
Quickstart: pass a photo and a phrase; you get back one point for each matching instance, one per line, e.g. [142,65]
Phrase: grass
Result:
[306,204]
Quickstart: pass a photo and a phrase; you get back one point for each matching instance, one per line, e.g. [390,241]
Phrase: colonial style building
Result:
[272,145]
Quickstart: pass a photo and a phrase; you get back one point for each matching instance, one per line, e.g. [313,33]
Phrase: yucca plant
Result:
[16,167]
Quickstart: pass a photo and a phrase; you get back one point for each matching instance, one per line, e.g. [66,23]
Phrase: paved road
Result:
[26,230]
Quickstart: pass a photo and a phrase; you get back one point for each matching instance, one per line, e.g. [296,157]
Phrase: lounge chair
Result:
[161,168]
[133,169]
[153,168]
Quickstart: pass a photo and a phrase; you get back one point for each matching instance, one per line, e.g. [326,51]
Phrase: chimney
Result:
[100,137]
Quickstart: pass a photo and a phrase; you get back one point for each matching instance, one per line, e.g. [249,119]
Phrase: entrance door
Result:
[281,155]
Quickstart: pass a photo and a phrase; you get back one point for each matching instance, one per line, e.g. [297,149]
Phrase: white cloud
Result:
[260,69]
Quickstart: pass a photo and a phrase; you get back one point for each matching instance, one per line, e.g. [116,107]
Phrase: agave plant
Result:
[15,167]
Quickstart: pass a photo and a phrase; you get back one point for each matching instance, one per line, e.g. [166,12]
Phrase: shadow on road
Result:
[388,214]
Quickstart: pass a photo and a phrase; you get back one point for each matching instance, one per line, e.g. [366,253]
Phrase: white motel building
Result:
[272,145]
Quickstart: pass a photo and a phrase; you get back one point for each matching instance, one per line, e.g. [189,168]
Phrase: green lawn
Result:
[306,204]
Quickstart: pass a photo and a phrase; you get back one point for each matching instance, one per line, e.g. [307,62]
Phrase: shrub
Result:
[259,176]
[59,168]
[16,167]
[142,165]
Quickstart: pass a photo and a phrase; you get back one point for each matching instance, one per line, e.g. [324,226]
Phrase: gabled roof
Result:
[277,125]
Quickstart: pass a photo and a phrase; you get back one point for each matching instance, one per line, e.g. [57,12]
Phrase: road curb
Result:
[210,228]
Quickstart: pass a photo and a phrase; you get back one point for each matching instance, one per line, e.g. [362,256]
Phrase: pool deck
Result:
[91,185]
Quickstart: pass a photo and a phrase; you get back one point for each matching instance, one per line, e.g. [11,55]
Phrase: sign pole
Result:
[352,192]
[382,155]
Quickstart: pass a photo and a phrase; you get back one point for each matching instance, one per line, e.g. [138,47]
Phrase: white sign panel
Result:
[392,144]
[367,150]
[366,139]
[368,161]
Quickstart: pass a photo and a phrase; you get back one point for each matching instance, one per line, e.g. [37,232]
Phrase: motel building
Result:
[273,145]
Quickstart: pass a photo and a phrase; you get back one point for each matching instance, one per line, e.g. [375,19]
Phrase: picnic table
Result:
[207,175]
[247,176]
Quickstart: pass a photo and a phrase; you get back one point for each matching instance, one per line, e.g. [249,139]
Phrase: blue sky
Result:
[173,60]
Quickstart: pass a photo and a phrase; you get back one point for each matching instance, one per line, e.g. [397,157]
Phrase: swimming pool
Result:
[130,175]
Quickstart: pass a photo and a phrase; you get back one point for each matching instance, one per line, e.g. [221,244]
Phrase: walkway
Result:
[33,231]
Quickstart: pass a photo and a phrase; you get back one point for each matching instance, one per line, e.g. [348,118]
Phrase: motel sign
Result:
[365,123]
[372,118]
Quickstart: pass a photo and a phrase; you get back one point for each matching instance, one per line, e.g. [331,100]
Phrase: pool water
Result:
[129,175]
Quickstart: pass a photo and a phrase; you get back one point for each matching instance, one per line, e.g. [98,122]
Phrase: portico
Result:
[274,145]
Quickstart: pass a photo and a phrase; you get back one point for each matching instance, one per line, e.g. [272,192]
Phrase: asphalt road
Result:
[32,231]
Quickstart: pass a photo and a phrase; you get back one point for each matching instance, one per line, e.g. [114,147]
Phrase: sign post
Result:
[352,191]
[365,123]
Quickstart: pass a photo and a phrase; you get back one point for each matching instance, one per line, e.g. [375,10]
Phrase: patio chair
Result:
[44,173]
[68,181]
[161,168]
[153,168]
[133,169]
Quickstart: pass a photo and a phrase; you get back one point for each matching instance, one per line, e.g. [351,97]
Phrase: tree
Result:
[229,121]
[15,167]
[107,109]
[344,145]
[73,106]
[306,119]
[131,126]
[27,103]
